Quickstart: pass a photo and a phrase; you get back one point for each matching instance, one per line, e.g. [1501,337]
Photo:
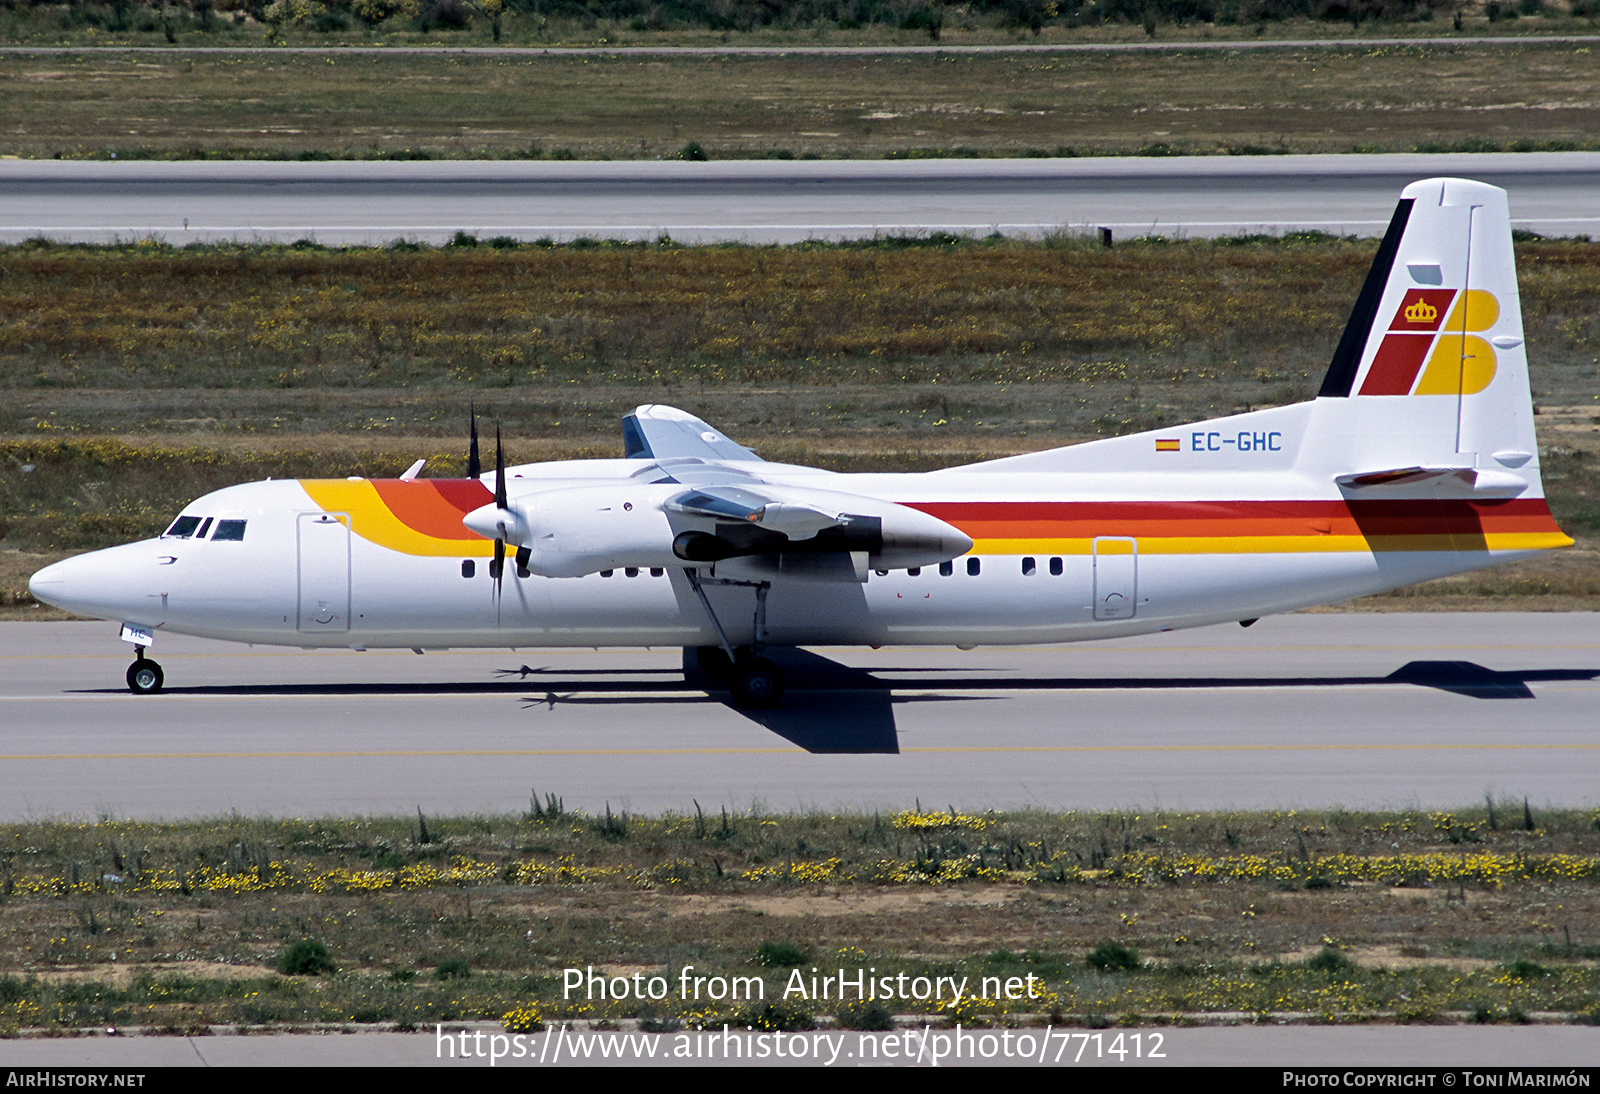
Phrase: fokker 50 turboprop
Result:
[1416,460]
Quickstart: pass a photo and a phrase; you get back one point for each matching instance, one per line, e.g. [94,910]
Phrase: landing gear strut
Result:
[756,683]
[144,675]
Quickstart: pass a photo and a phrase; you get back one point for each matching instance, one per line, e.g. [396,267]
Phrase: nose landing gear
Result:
[144,675]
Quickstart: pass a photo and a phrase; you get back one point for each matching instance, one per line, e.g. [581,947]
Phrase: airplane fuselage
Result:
[1417,460]
[1056,557]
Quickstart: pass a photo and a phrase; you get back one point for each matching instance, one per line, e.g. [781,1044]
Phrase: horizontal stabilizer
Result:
[1465,481]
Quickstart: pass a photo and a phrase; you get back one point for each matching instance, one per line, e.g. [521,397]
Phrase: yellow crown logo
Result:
[1421,312]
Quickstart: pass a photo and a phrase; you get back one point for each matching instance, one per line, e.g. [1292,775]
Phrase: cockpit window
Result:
[204,528]
[184,527]
[228,529]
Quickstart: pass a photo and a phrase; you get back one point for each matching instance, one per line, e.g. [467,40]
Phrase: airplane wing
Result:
[702,499]
[655,432]
[796,518]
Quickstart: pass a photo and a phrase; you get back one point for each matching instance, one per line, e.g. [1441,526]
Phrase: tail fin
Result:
[1433,359]
[1427,395]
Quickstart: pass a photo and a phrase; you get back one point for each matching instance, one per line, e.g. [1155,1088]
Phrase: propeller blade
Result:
[500,503]
[499,471]
[474,467]
[499,563]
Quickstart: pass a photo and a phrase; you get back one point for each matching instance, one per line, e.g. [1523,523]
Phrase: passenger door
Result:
[324,572]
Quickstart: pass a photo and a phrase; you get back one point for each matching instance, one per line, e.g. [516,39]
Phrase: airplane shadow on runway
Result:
[828,708]
[835,708]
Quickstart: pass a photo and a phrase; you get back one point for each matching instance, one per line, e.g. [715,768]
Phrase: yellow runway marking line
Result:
[931,749]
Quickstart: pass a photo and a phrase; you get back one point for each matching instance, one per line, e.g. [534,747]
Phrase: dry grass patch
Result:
[457,106]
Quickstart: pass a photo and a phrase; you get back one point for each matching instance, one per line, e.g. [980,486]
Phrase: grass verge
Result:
[1478,914]
[273,105]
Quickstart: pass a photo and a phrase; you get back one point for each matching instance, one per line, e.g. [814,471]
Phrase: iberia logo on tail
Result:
[1422,356]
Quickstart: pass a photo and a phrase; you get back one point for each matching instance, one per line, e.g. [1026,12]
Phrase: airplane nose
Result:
[49,585]
[110,584]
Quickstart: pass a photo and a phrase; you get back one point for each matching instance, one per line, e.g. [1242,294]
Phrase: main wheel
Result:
[145,677]
[757,684]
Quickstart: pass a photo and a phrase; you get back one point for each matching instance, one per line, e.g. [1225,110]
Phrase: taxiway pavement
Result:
[341,203]
[1300,711]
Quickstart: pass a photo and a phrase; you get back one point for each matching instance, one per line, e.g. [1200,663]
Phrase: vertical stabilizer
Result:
[1433,358]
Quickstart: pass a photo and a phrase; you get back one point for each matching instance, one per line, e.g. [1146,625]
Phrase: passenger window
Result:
[973,566]
[184,527]
[656,571]
[915,571]
[607,573]
[1028,567]
[631,571]
[1055,567]
[228,529]
[468,567]
[946,569]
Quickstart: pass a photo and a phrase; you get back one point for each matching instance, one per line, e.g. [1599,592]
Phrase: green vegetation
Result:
[1113,957]
[307,957]
[250,23]
[546,22]
[865,1014]
[779,955]
[453,968]
[1329,960]
[179,927]
[397,106]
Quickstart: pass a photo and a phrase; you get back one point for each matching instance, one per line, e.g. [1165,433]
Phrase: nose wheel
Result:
[144,675]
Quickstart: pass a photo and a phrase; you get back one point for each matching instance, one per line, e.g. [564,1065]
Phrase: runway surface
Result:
[1426,711]
[764,201]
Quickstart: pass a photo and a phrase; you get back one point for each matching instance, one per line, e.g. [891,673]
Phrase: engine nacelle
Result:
[580,530]
[572,531]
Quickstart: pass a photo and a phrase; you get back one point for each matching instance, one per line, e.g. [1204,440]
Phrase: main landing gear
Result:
[144,675]
[756,683]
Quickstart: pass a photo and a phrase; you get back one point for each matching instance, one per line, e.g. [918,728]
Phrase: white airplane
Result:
[1416,460]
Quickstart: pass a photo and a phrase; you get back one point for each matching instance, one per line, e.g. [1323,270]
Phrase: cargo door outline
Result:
[1116,577]
[324,573]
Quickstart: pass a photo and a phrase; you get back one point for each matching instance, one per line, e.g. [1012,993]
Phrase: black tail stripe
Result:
[1341,375]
